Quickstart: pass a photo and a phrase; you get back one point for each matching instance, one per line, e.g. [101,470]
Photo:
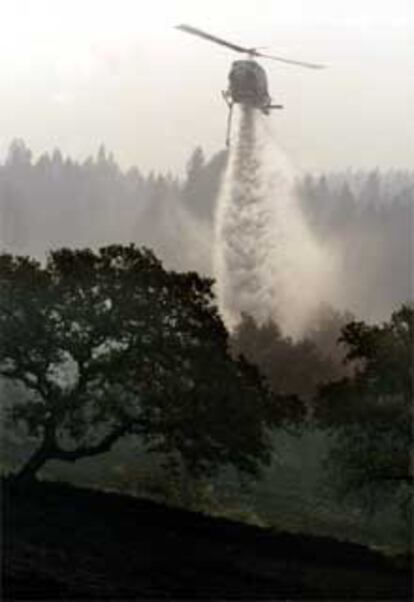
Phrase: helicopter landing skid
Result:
[229,118]
[266,110]
[227,97]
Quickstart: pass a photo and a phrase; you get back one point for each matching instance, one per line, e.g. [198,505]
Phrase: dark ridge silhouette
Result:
[62,542]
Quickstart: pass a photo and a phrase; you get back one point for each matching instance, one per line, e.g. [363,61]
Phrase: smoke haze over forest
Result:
[363,218]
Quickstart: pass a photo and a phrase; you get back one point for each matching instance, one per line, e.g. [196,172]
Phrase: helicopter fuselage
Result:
[248,85]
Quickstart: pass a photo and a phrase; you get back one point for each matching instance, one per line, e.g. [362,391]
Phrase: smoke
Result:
[267,263]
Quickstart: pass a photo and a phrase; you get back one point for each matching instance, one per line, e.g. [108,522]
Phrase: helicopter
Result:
[247,79]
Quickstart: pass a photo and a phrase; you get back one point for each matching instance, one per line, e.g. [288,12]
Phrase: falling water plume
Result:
[267,263]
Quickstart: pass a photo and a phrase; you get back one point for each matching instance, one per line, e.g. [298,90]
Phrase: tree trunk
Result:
[50,450]
[34,464]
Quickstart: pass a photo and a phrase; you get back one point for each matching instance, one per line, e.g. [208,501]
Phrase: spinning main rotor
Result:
[251,52]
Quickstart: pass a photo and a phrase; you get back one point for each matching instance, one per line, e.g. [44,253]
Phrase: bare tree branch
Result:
[92,450]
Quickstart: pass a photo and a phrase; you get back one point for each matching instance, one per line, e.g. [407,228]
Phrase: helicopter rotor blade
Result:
[207,36]
[289,61]
[250,51]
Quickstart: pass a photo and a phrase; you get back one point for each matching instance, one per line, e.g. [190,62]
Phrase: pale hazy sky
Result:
[75,73]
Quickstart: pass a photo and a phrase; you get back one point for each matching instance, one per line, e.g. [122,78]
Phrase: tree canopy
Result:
[109,343]
[290,366]
[370,413]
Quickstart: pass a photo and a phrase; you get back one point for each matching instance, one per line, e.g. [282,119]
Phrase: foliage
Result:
[291,367]
[369,414]
[110,343]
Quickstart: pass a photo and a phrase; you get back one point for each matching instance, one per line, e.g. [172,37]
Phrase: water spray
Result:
[267,263]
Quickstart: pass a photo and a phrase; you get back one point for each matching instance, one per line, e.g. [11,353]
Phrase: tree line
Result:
[53,201]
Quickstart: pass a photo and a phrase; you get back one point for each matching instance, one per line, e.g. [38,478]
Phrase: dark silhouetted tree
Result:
[370,413]
[109,343]
[290,367]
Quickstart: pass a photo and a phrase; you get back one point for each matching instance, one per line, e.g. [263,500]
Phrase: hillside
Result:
[62,542]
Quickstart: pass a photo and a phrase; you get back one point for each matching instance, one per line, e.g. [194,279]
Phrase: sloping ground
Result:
[60,542]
